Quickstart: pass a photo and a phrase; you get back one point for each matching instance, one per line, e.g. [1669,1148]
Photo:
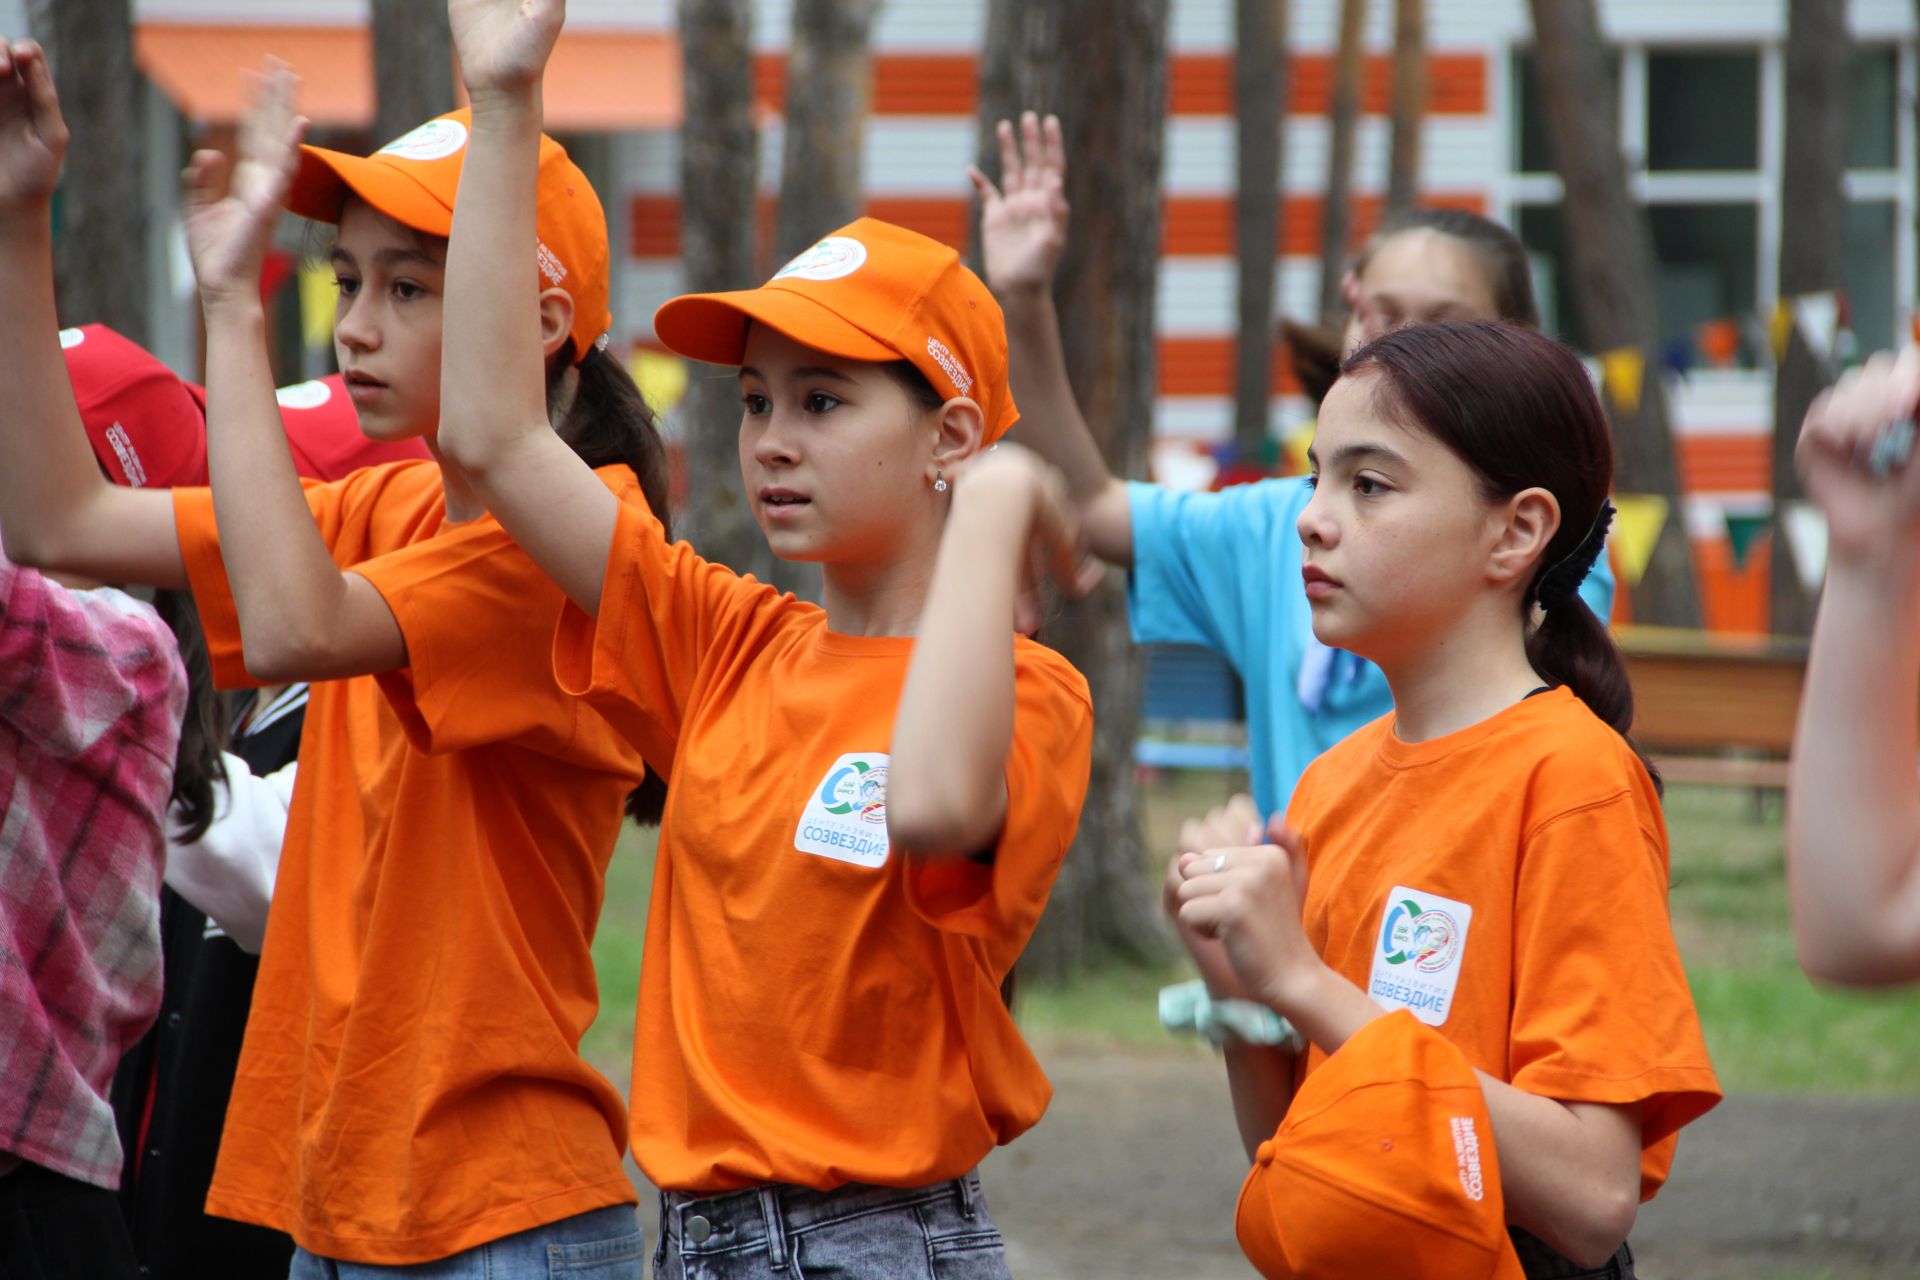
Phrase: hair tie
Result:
[1561,583]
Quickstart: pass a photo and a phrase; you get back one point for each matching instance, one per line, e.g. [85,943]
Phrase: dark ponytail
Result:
[196,764]
[1519,409]
[606,421]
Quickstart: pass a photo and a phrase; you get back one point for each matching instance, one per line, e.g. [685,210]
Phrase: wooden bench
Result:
[1713,708]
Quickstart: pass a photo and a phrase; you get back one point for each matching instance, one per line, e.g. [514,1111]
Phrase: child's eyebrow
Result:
[808,371]
[402,257]
[1355,454]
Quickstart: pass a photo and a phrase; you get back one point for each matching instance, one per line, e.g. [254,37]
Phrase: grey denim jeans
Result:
[938,1232]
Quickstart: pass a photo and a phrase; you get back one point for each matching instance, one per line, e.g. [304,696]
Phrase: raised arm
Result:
[493,411]
[1853,798]
[300,616]
[1023,229]
[946,784]
[56,510]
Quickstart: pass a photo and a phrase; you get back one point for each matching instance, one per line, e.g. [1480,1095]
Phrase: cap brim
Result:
[713,326]
[324,178]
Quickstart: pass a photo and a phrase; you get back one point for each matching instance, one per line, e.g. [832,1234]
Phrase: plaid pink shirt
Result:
[91,695]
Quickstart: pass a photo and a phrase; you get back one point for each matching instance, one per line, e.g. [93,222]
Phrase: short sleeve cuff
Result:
[193,524]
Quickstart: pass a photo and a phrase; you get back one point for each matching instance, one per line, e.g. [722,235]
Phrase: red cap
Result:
[144,426]
[1384,1166]
[870,291]
[413,180]
[148,428]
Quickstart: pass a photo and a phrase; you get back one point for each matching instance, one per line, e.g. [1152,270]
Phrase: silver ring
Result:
[1220,864]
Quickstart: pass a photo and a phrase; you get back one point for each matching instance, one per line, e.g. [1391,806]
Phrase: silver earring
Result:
[939,482]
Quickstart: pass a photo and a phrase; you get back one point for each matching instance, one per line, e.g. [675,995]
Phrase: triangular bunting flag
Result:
[1677,355]
[1806,530]
[1742,532]
[1592,363]
[1779,329]
[1817,316]
[1621,372]
[661,377]
[319,298]
[1719,342]
[1636,531]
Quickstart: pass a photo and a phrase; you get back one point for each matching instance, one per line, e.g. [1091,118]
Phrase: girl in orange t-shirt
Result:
[871,799]
[1491,856]
[411,1087]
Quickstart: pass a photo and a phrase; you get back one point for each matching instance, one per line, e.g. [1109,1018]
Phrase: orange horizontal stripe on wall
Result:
[1192,226]
[1204,367]
[1725,464]
[940,84]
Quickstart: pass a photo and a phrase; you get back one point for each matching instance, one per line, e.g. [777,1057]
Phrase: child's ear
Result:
[1528,521]
[958,426]
[556,320]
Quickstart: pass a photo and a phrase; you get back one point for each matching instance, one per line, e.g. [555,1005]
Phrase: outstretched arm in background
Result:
[56,509]
[493,410]
[1023,231]
[300,616]
[1853,798]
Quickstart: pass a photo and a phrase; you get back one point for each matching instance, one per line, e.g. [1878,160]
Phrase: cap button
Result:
[1263,1154]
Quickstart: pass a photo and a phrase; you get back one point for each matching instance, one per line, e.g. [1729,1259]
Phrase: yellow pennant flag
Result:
[1779,329]
[1636,529]
[318,295]
[1621,372]
[661,377]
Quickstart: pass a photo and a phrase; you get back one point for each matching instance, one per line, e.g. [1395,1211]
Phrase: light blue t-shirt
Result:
[1223,570]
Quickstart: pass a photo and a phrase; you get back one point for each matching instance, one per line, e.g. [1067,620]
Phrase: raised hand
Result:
[33,137]
[1053,547]
[1023,222]
[231,207]
[503,45]
[1867,513]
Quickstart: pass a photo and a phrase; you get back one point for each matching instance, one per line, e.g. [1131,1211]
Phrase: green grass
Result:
[1769,1028]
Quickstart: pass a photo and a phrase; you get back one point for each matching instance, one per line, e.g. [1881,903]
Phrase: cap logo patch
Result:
[962,380]
[434,140]
[304,395]
[550,265]
[71,338]
[1466,1153]
[832,258]
[129,460]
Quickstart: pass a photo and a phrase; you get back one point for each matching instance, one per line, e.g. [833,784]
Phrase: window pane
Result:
[1532,142]
[1871,95]
[1703,110]
[1870,231]
[1707,257]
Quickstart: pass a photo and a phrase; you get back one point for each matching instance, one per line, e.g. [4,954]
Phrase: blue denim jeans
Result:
[600,1244]
[940,1232]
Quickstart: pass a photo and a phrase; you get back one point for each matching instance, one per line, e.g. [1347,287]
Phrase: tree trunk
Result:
[1611,247]
[1813,256]
[1409,104]
[1260,98]
[719,186]
[1336,220]
[1067,56]
[100,250]
[412,66]
[829,90]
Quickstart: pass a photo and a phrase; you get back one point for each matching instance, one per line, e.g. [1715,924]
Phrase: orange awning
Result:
[598,81]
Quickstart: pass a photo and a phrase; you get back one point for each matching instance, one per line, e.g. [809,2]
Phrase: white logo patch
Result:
[845,817]
[550,265]
[304,395]
[71,338]
[1416,957]
[129,459]
[434,140]
[1466,1155]
[962,380]
[832,258]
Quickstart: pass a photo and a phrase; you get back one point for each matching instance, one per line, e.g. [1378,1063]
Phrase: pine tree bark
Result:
[719,188]
[829,91]
[1409,104]
[1611,246]
[1260,82]
[1067,56]
[412,66]
[100,251]
[1336,218]
[1813,257]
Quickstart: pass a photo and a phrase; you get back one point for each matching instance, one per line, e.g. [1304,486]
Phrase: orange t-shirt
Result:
[815,1008]
[1508,884]
[410,1084]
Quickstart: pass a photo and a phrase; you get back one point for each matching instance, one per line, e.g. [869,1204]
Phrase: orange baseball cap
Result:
[870,291]
[413,180]
[1384,1166]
